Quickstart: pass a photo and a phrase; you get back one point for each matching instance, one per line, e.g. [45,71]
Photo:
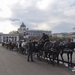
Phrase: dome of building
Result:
[22,25]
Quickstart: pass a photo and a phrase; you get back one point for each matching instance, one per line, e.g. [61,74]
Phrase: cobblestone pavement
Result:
[13,63]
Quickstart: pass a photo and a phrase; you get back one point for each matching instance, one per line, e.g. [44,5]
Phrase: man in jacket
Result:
[44,38]
[30,51]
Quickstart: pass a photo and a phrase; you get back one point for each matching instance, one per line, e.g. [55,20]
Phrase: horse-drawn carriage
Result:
[52,50]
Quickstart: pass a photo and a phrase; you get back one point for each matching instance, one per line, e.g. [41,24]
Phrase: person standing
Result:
[23,46]
[17,44]
[30,51]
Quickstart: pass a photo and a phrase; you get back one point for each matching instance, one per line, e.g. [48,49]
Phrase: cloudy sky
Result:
[54,15]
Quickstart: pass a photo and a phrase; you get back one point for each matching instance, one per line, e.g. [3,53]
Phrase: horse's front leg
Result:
[53,58]
[62,57]
[45,54]
[68,58]
[71,58]
[49,58]
[57,58]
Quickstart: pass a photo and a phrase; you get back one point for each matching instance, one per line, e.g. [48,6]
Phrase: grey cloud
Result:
[32,14]
[11,19]
[14,19]
[63,27]
[73,4]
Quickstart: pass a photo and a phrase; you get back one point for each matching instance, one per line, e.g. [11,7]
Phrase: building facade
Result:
[37,32]
[28,33]
[9,37]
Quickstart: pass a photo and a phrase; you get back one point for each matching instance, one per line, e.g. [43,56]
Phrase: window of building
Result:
[15,38]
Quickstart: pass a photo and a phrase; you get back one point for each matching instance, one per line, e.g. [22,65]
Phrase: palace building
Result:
[25,31]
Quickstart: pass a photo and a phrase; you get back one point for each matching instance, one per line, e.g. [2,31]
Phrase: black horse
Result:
[68,49]
[52,51]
